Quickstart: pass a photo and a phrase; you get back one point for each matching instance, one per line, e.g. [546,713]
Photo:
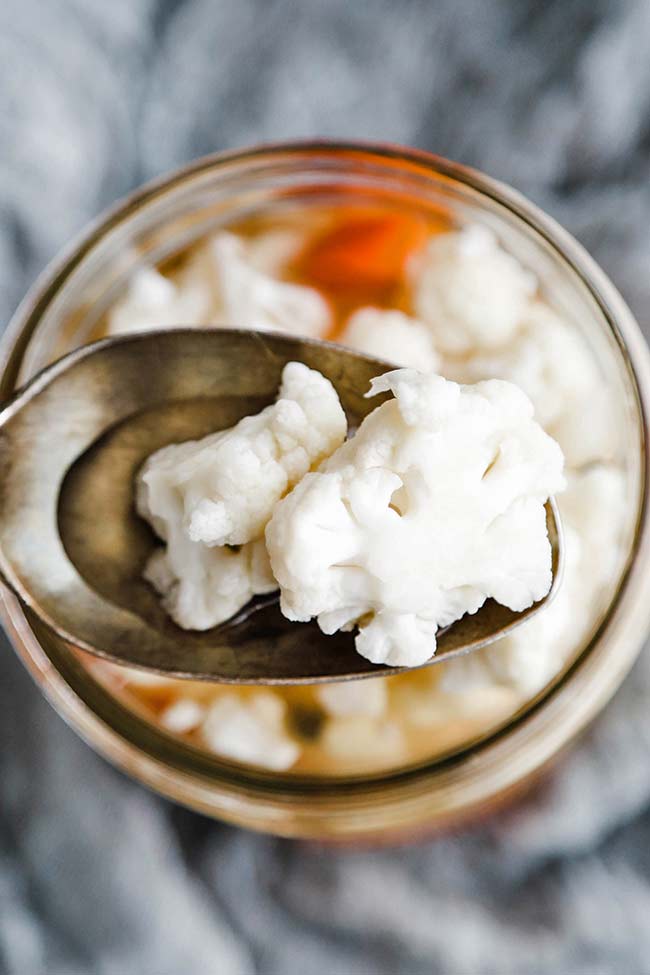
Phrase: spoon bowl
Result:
[73,549]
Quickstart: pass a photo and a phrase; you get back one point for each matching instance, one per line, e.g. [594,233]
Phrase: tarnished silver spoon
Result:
[73,549]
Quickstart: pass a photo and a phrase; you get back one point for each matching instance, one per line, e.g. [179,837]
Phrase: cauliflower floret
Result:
[528,658]
[417,700]
[591,510]
[470,292]
[393,336]
[251,299]
[251,730]
[200,586]
[204,495]
[359,740]
[595,504]
[266,254]
[227,281]
[228,482]
[547,359]
[270,252]
[552,363]
[434,505]
[368,697]
[183,716]
[153,301]
[590,429]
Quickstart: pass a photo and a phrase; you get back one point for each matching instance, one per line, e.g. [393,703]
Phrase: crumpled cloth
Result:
[96,874]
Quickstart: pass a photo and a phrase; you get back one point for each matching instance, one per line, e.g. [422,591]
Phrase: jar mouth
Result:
[628,616]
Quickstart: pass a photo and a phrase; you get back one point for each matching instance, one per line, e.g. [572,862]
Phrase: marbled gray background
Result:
[98,876]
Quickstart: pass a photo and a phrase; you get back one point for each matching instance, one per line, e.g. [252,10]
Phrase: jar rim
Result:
[345,807]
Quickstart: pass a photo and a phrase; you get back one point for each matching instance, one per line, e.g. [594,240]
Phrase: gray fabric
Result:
[97,875]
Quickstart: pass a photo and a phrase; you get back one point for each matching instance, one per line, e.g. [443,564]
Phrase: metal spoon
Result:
[73,549]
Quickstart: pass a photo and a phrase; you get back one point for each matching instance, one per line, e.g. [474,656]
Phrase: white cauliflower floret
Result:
[228,482]
[595,504]
[267,254]
[226,281]
[271,251]
[182,716]
[200,586]
[528,658]
[251,299]
[590,429]
[434,505]
[553,365]
[469,291]
[548,360]
[203,495]
[153,301]
[417,700]
[592,508]
[359,740]
[368,697]
[251,730]
[391,335]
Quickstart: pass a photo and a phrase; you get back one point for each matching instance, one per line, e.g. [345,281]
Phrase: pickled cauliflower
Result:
[391,335]
[228,282]
[435,504]
[554,366]
[203,496]
[251,730]
[470,292]
[521,660]
[252,299]
[200,586]
[353,697]
[153,301]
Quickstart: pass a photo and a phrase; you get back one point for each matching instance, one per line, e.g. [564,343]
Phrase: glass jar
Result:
[66,308]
